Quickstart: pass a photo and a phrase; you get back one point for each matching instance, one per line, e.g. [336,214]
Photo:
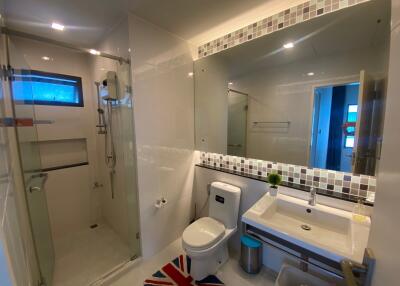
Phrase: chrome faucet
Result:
[312,201]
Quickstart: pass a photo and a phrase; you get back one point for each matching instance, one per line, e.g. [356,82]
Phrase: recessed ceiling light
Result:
[45,58]
[230,83]
[94,52]
[310,74]
[57,26]
[190,74]
[288,45]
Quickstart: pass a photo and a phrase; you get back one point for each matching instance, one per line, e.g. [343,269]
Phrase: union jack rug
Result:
[177,272]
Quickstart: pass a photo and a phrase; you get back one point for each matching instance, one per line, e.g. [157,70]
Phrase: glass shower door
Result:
[127,154]
[124,203]
[34,178]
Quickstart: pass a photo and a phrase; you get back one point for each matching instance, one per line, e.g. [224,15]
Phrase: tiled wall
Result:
[383,238]
[279,21]
[164,128]
[355,185]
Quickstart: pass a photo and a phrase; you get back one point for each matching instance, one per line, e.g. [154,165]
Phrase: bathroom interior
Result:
[199,142]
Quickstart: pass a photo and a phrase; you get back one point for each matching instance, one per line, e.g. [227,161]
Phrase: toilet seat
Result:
[203,233]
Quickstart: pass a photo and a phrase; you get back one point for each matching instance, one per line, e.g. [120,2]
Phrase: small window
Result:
[349,142]
[352,110]
[352,113]
[43,88]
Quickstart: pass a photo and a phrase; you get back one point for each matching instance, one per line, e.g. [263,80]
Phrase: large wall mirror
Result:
[312,94]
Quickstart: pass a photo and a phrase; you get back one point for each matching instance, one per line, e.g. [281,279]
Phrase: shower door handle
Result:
[35,189]
[44,177]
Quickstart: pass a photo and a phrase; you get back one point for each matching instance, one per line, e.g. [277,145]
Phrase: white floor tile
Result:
[83,257]
[231,273]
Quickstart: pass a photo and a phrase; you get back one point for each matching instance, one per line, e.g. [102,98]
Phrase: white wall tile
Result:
[384,237]
[164,114]
[68,194]
[395,13]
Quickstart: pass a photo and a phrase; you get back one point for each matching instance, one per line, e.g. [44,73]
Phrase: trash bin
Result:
[251,254]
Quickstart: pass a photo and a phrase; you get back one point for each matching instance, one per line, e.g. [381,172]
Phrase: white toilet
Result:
[205,240]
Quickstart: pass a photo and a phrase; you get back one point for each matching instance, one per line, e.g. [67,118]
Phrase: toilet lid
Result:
[203,233]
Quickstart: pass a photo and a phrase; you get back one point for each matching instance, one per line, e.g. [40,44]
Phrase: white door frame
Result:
[324,83]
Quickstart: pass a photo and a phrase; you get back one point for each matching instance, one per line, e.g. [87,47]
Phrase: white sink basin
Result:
[324,230]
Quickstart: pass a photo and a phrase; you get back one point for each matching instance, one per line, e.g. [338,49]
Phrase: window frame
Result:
[77,80]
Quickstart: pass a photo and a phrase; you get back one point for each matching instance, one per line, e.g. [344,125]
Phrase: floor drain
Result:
[305,227]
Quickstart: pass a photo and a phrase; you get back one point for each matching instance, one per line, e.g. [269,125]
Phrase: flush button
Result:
[220,199]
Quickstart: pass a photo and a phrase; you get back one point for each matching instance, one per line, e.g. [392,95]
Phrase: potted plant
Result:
[274,180]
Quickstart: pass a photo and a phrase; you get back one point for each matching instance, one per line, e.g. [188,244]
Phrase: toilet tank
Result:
[224,203]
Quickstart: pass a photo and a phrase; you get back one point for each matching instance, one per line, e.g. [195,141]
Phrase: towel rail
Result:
[271,122]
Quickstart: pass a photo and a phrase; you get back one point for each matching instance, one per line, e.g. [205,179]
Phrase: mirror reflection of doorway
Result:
[237,122]
[333,130]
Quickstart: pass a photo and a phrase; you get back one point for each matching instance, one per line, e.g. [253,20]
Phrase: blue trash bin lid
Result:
[250,242]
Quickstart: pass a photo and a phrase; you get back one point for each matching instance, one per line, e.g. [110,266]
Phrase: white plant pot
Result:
[273,191]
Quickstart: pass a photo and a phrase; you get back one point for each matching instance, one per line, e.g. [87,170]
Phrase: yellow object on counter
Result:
[359,212]
[359,217]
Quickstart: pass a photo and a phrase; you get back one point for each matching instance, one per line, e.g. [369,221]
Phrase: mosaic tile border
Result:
[361,186]
[289,17]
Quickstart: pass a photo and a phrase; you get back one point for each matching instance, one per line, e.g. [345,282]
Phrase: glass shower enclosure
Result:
[33,177]
[115,137]
[115,188]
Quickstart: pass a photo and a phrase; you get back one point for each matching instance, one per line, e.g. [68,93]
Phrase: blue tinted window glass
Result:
[352,117]
[352,113]
[22,90]
[47,89]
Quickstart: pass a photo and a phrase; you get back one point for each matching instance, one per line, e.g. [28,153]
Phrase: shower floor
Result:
[83,257]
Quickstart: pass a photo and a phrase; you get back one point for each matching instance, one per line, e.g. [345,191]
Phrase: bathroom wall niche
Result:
[61,153]
[312,94]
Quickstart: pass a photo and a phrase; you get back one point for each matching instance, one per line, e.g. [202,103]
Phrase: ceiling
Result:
[354,28]
[87,21]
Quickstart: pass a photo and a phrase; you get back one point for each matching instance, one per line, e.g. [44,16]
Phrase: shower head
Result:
[109,87]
